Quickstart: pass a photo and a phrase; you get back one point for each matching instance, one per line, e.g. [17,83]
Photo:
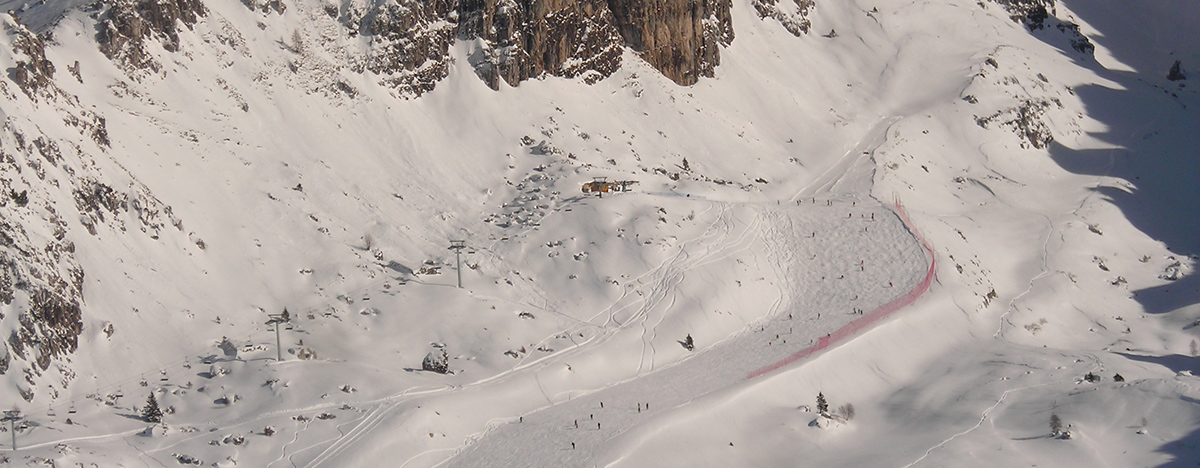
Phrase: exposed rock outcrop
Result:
[33,73]
[1039,14]
[42,170]
[1031,12]
[792,15]
[522,40]
[410,42]
[1026,120]
[128,24]
[681,38]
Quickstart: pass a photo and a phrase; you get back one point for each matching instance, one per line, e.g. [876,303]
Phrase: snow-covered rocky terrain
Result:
[954,220]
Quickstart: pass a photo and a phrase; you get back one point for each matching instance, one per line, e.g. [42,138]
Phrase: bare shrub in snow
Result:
[1056,425]
[846,411]
[306,353]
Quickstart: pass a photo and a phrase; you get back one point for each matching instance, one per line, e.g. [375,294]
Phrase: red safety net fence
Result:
[871,317]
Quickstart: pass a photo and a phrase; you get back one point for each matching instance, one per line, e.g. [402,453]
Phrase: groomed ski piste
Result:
[584,430]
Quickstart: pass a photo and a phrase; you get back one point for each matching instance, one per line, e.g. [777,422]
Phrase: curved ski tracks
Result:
[868,319]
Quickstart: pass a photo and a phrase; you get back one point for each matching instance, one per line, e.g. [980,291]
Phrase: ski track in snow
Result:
[674,266]
[711,369]
[1096,366]
[564,438]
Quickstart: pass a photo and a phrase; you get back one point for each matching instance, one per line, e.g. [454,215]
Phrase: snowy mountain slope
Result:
[964,381]
[295,179]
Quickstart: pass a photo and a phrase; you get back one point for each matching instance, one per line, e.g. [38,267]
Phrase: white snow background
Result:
[1050,262]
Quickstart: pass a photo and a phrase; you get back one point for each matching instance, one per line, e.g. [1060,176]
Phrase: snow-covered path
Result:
[818,253]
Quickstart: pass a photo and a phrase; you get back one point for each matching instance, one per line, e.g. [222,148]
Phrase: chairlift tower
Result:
[457,246]
[277,319]
[12,416]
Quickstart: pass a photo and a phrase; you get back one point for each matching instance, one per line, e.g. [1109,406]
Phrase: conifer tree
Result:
[151,412]
[822,405]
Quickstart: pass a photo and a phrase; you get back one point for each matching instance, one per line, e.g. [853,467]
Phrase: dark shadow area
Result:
[1186,449]
[1153,125]
[1176,362]
[399,268]
[133,416]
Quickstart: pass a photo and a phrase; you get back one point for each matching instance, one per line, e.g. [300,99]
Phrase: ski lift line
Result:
[102,389]
[413,392]
[105,388]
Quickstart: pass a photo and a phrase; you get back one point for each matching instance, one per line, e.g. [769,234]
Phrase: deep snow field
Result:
[763,218]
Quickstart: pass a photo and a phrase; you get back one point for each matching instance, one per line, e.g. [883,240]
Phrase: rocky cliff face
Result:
[681,38]
[410,43]
[523,39]
[52,192]
[128,24]
[526,39]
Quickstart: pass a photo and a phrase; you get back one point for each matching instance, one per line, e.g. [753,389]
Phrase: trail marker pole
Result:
[457,246]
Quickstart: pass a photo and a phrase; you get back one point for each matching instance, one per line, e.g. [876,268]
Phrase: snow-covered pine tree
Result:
[822,405]
[688,343]
[436,361]
[151,412]
[1055,425]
